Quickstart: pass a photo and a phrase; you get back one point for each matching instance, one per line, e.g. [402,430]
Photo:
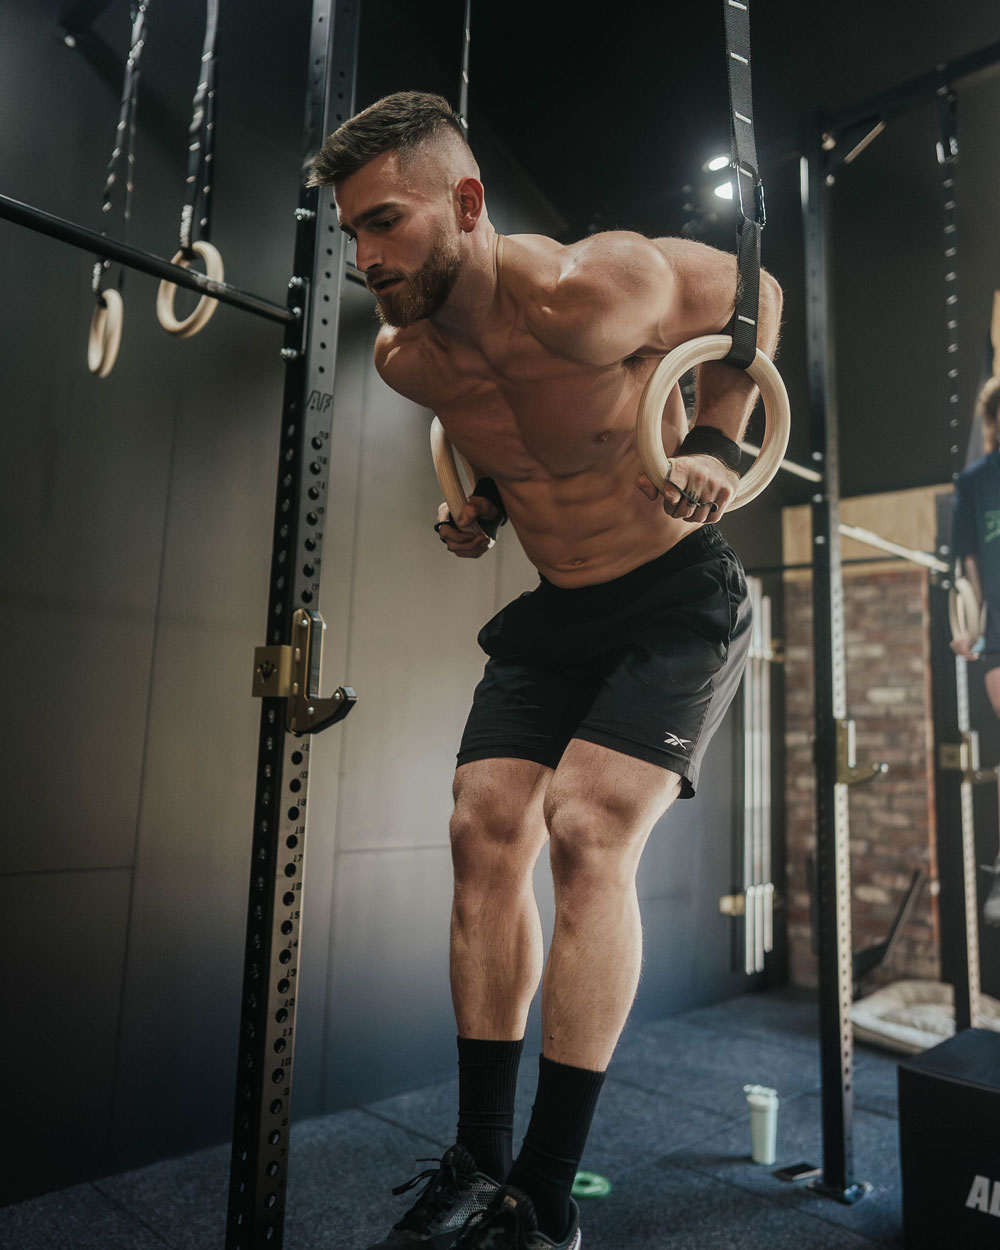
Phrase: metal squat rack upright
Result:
[287,669]
[838,141]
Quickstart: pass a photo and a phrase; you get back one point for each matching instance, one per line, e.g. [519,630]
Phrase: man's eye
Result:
[385,224]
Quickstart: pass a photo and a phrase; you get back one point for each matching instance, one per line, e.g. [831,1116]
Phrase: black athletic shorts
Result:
[645,664]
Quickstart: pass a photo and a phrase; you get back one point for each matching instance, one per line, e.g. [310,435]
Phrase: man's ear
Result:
[469,202]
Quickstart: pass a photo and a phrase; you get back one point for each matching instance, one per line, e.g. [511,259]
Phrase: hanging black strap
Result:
[749,187]
[124,147]
[196,215]
[463,85]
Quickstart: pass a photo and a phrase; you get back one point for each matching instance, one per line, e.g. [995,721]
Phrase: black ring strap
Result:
[749,187]
[196,215]
[463,85]
[124,147]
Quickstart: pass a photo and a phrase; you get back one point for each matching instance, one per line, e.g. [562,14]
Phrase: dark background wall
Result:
[136,518]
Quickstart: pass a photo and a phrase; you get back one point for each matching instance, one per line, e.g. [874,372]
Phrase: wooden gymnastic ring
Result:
[206,306]
[105,336]
[666,375]
[965,613]
[456,496]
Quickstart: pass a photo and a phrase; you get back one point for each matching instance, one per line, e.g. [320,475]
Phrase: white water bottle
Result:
[763,1104]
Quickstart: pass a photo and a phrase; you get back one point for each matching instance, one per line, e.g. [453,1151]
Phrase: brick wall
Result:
[891,817]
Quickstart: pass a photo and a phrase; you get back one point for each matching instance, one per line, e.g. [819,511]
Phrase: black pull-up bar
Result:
[147,262]
[915,91]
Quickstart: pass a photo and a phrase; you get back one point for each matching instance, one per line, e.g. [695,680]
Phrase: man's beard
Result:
[421,295]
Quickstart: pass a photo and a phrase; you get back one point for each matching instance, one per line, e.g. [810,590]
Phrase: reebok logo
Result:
[671,740]
[982,1199]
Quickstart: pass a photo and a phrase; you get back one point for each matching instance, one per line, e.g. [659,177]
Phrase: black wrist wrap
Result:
[706,440]
[487,489]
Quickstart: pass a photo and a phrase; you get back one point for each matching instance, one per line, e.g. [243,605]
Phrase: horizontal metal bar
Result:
[915,91]
[146,262]
[789,466]
[764,570]
[871,539]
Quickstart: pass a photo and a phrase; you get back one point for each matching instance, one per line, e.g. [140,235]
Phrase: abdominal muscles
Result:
[590,527]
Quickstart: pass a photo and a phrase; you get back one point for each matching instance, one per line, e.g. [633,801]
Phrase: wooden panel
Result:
[903,516]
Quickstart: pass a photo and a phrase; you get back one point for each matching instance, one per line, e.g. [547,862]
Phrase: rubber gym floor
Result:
[671,1134]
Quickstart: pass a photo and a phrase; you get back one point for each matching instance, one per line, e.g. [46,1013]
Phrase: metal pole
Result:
[147,262]
[264,1084]
[833,887]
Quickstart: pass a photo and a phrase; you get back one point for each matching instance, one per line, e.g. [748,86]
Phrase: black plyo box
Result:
[949,1138]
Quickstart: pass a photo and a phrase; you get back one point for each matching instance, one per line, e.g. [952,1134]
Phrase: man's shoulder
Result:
[569,290]
[612,255]
[980,469]
[400,357]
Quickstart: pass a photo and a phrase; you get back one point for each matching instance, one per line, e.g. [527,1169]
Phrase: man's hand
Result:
[961,647]
[703,478]
[463,537]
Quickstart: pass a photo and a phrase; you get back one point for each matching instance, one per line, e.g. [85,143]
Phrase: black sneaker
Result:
[509,1223]
[454,1192]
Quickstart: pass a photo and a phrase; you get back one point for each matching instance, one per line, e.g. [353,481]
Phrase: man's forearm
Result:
[970,566]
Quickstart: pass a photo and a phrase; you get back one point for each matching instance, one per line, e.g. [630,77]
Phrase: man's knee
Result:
[598,836]
[496,824]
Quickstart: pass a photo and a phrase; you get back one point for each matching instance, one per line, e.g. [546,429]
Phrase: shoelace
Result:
[442,1186]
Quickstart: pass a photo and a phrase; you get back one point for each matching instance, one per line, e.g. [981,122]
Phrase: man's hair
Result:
[400,122]
[987,407]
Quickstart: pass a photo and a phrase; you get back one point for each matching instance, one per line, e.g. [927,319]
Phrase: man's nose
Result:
[369,255]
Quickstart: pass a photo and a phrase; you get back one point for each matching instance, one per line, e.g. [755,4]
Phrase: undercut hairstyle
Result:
[401,122]
[987,407]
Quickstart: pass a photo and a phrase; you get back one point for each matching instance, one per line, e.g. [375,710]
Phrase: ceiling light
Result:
[724,191]
[717,162]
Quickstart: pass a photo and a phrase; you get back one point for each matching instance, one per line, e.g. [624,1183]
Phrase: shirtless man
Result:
[605,682]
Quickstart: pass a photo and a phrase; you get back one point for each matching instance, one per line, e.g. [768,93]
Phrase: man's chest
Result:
[517,410]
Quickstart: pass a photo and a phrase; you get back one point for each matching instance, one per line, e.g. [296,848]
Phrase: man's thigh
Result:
[506,789]
[625,794]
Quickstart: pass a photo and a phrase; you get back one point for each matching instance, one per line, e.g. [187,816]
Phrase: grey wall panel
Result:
[185,941]
[78,679]
[668,981]
[62,942]
[415,615]
[181,1006]
[391,1022]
